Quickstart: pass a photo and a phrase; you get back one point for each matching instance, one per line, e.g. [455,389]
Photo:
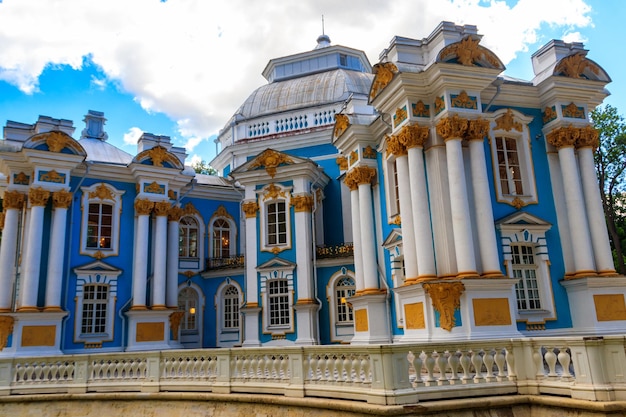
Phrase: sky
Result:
[182,68]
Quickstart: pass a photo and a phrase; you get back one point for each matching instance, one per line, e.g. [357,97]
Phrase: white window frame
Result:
[527,287]
[275,193]
[101,193]
[520,132]
[340,331]
[97,273]
[228,336]
[391,187]
[232,249]
[193,263]
[282,274]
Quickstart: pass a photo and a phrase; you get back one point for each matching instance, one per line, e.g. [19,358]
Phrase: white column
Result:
[61,200]
[304,245]
[171,295]
[563,139]
[12,203]
[160,256]
[409,249]
[31,263]
[368,238]
[356,238]
[482,201]
[143,208]
[414,138]
[251,310]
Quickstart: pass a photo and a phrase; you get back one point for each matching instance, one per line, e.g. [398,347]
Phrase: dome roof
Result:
[308,91]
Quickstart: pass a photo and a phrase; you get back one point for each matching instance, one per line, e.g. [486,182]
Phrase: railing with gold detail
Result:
[342,250]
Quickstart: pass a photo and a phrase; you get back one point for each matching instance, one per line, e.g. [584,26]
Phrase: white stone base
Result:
[150,330]
[306,319]
[597,304]
[371,319]
[35,334]
[251,326]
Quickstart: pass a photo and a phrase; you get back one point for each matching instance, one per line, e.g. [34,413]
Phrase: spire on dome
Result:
[323,40]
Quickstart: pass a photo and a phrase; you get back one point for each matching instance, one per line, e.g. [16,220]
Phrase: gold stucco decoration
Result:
[588,138]
[38,196]
[52,176]
[143,207]
[272,192]
[162,208]
[342,162]
[270,160]
[563,136]
[341,124]
[175,319]
[302,203]
[154,188]
[369,152]
[549,114]
[394,146]
[6,328]
[171,194]
[440,104]
[102,192]
[221,212]
[573,111]
[446,298]
[354,156]
[250,209]
[21,179]
[384,74]
[360,175]
[174,214]
[574,66]
[518,203]
[413,135]
[61,199]
[190,209]
[507,122]
[452,127]
[400,116]
[468,52]
[12,200]
[57,141]
[477,129]
[158,155]
[420,109]
[99,255]
[464,101]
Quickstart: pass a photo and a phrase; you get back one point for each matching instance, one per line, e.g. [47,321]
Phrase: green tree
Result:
[610,159]
[202,167]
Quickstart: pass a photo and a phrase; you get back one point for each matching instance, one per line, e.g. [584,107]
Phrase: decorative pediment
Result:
[270,160]
[276,264]
[579,66]
[522,219]
[97,267]
[468,52]
[393,239]
[159,157]
[55,141]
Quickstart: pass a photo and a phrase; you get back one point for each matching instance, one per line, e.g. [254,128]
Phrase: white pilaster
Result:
[160,256]
[8,248]
[56,251]
[171,295]
[356,240]
[368,239]
[251,309]
[140,261]
[406,212]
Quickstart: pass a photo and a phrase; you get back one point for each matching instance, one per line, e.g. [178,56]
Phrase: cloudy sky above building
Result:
[182,67]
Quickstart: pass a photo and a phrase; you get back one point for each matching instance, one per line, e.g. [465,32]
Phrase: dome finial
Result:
[323,40]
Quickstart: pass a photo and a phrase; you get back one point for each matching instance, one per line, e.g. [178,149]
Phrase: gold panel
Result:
[491,312]
[39,335]
[360,320]
[610,307]
[414,316]
[150,332]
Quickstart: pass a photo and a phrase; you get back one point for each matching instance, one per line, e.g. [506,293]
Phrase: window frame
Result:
[228,336]
[340,331]
[102,194]
[268,277]
[184,240]
[391,186]
[269,195]
[192,263]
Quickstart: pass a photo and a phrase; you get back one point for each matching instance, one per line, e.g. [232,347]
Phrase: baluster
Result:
[550,358]
[244,368]
[347,368]
[565,360]
[253,367]
[110,370]
[50,373]
[538,359]
[330,365]
[38,372]
[356,370]
[510,364]
[322,368]
[465,364]
[365,368]
[453,363]
[489,361]
[429,363]
[477,361]
[500,362]
[284,366]
[442,362]
[263,363]
[313,368]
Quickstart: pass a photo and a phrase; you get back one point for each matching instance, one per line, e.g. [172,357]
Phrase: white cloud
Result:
[132,136]
[198,61]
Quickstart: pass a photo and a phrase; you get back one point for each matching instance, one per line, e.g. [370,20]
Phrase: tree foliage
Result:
[610,159]
[202,167]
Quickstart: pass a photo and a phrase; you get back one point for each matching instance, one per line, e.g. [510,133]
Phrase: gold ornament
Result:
[143,207]
[574,66]
[507,122]
[384,74]
[102,192]
[452,127]
[250,208]
[341,124]
[270,160]
[61,199]
[12,200]
[446,298]
[302,202]
[162,208]
[38,196]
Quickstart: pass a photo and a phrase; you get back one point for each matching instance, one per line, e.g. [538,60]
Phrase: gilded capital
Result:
[250,208]
[342,161]
[61,199]
[452,127]
[302,202]
[477,129]
[38,196]
[412,136]
[589,138]
[174,214]
[162,208]
[360,175]
[446,298]
[395,147]
[143,207]
[12,200]
[563,137]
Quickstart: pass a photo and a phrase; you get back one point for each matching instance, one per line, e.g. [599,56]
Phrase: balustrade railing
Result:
[221,263]
[592,369]
[335,251]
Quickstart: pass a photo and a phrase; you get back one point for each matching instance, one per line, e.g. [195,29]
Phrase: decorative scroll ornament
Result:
[440,104]
[158,155]
[52,176]
[469,53]
[302,203]
[354,156]
[272,192]
[162,208]
[413,135]
[143,207]
[478,129]
[563,137]
[341,124]
[175,319]
[190,210]
[21,179]
[154,188]
[270,160]
[446,298]
[61,199]
[395,147]
[464,101]
[369,152]
[400,116]
[342,162]
[507,122]
[38,196]
[175,214]
[397,220]
[221,212]
[57,141]
[420,109]
[589,138]
[573,111]
[574,66]
[384,74]
[518,203]
[452,127]
[250,209]
[360,175]
[102,192]
[549,114]
[6,328]
[12,200]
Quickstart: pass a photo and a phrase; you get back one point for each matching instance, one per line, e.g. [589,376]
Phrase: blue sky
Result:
[181,68]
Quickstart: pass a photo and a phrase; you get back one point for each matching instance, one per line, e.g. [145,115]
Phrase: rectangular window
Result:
[525,271]
[276,223]
[278,300]
[344,311]
[231,312]
[99,226]
[95,300]
[509,166]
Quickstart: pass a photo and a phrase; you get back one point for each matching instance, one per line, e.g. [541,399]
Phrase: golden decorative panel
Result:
[400,116]
[102,192]
[420,109]
[573,111]
[440,104]
[491,312]
[354,156]
[21,179]
[158,155]
[52,176]
[221,212]
[507,122]
[150,332]
[341,124]
[154,188]
[342,162]
[6,328]
[270,160]
[610,307]
[549,114]
[463,101]
[414,316]
[574,66]
[360,320]
[39,335]
[446,297]
[369,152]
[190,209]
[272,192]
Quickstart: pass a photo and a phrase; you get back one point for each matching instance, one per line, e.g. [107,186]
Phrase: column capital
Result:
[477,129]
[250,208]
[38,196]
[143,206]
[360,175]
[563,137]
[303,202]
[589,138]
[412,136]
[174,214]
[12,200]
[452,127]
[61,199]
[162,208]
[394,146]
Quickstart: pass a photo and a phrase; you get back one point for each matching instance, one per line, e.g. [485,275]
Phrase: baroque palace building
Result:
[429,197]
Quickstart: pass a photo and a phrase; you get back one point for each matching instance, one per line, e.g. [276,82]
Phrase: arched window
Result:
[339,289]
[188,302]
[228,298]
[344,289]
[188,237]
[221,239]
[231,307]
